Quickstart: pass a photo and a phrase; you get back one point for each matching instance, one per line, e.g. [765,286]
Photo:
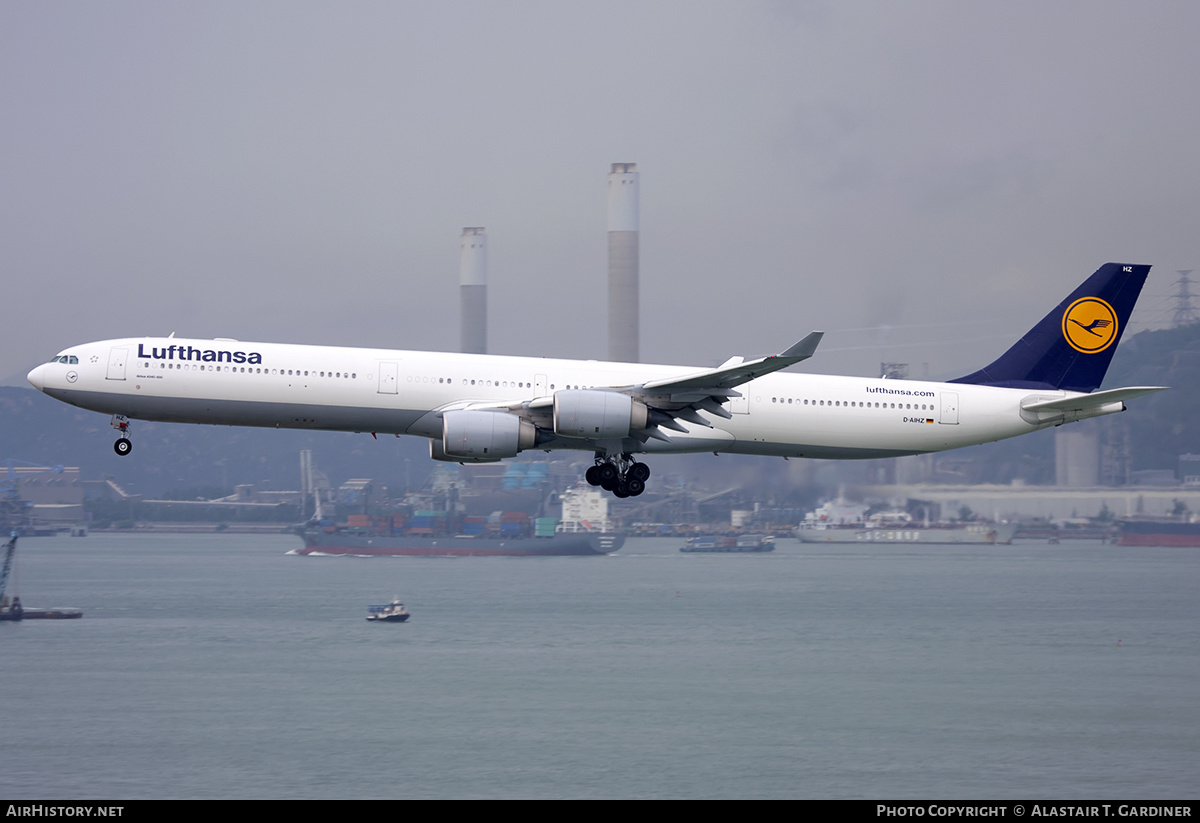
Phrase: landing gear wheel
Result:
[123,446]
[608,473]
[623,476]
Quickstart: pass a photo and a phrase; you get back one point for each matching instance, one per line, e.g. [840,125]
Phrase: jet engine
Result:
[436,452]
[482,436]
[597,415]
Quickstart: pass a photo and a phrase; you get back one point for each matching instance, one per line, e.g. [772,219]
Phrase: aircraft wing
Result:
[677,398]
[682,398]
[734,372]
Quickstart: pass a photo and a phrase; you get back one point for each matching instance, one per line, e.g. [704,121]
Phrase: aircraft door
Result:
[539,385]
[949,408]
[389,378]
[116,363]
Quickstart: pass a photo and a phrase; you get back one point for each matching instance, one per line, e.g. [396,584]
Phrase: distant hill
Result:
[1164,425]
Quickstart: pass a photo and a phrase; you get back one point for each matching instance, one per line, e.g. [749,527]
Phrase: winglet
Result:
[805,348]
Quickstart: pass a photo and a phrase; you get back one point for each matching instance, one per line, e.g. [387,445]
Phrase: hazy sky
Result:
[301,171]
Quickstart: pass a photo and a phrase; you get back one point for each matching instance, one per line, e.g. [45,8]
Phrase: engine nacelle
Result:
[597,415]
[482,436]
[436,452]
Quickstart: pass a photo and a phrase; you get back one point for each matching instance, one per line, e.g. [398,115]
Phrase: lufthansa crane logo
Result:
[1090,325]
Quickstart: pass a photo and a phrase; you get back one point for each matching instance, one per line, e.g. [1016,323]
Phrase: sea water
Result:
[220,666]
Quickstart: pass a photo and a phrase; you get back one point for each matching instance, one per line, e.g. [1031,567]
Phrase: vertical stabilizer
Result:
[1071,347]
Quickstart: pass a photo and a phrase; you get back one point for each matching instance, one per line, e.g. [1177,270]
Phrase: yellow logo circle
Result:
[1090,325]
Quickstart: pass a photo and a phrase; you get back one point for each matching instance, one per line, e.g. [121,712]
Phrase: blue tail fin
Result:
[1072,346]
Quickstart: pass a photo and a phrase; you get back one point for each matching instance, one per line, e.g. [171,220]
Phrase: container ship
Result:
[582,531]
[1158,533]
[705,544]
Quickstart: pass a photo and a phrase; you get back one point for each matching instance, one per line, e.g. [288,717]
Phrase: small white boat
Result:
[393,612]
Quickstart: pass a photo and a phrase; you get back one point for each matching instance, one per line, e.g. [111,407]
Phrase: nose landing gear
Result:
[622,476]
[124,445]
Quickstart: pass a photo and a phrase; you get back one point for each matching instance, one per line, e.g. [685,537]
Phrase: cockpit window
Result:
[63,358]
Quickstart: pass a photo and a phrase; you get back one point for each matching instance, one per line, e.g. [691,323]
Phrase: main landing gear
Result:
[620,475]
[124,445]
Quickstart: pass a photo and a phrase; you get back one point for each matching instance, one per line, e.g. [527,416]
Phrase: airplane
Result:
[485,408]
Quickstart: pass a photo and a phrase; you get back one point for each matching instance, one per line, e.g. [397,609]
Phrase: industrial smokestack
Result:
[472,278]
[623,263]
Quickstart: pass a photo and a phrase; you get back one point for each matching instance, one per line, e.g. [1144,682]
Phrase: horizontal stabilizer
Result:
[1082,402]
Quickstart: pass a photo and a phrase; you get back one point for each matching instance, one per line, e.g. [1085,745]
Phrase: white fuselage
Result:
[226,382]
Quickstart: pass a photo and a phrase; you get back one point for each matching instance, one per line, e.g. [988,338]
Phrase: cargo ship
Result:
[1158,533]
[951,533]
[742,543]
[842,522]
[318,541]
[584,530]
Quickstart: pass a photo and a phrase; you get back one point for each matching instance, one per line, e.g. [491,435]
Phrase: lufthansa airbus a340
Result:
[483,408]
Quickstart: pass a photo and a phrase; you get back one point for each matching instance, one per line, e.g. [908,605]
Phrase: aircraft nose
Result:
[37,377]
